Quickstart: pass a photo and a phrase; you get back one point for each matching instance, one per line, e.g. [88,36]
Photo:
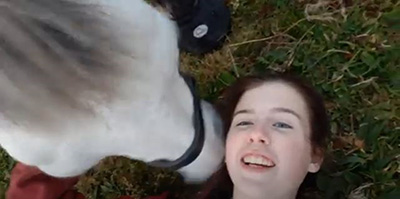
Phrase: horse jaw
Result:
[213,151]
[138,124]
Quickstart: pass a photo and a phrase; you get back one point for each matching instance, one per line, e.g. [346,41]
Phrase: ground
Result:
[349,49]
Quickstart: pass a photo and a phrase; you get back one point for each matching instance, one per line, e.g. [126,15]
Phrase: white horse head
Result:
[81,80]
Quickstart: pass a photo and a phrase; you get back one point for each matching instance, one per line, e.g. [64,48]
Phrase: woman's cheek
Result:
[294,157]
[293,149]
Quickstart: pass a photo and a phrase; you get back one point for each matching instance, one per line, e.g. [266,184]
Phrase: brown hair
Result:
[220,185]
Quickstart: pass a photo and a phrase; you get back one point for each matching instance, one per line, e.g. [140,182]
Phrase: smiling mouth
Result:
[257,161]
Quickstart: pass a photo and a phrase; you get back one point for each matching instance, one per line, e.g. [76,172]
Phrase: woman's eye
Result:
[244,123]
[282,125]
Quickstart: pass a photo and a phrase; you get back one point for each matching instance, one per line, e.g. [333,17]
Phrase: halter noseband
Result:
[198,142]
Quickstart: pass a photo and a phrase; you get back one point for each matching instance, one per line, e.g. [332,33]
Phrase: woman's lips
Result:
[256,162]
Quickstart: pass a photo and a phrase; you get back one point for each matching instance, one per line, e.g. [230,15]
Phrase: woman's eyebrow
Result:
[242,112]
[287,110]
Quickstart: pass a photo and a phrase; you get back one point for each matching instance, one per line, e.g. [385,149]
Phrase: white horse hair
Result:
[81,80]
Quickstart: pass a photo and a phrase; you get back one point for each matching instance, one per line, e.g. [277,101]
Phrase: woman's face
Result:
[268,150]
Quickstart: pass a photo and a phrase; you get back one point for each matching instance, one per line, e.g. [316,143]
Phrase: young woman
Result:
[276,130]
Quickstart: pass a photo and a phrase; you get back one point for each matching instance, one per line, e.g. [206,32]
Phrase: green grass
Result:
[6,164]
[349,51]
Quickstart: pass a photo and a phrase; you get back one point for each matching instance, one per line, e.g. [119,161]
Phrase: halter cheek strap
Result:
[198,142]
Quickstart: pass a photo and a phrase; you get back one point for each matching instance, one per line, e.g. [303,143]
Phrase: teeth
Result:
[259,160]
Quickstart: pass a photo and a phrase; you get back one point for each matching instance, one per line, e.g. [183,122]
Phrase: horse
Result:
[81,80]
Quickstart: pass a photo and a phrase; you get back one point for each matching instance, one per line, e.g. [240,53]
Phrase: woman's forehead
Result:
[270,96]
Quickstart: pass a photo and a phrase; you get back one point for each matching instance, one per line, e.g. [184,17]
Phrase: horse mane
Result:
[57,57]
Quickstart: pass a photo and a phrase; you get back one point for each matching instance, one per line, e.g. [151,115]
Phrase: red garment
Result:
[30,183]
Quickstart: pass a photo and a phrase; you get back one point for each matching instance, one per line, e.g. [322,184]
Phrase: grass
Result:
[6,164]
[350,50]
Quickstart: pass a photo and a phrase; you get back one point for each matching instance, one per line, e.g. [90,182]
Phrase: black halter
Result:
[198,142]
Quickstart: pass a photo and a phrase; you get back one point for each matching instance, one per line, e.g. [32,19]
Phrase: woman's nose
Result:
[259,136]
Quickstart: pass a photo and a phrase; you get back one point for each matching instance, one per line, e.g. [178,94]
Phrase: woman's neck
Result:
[237,194]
